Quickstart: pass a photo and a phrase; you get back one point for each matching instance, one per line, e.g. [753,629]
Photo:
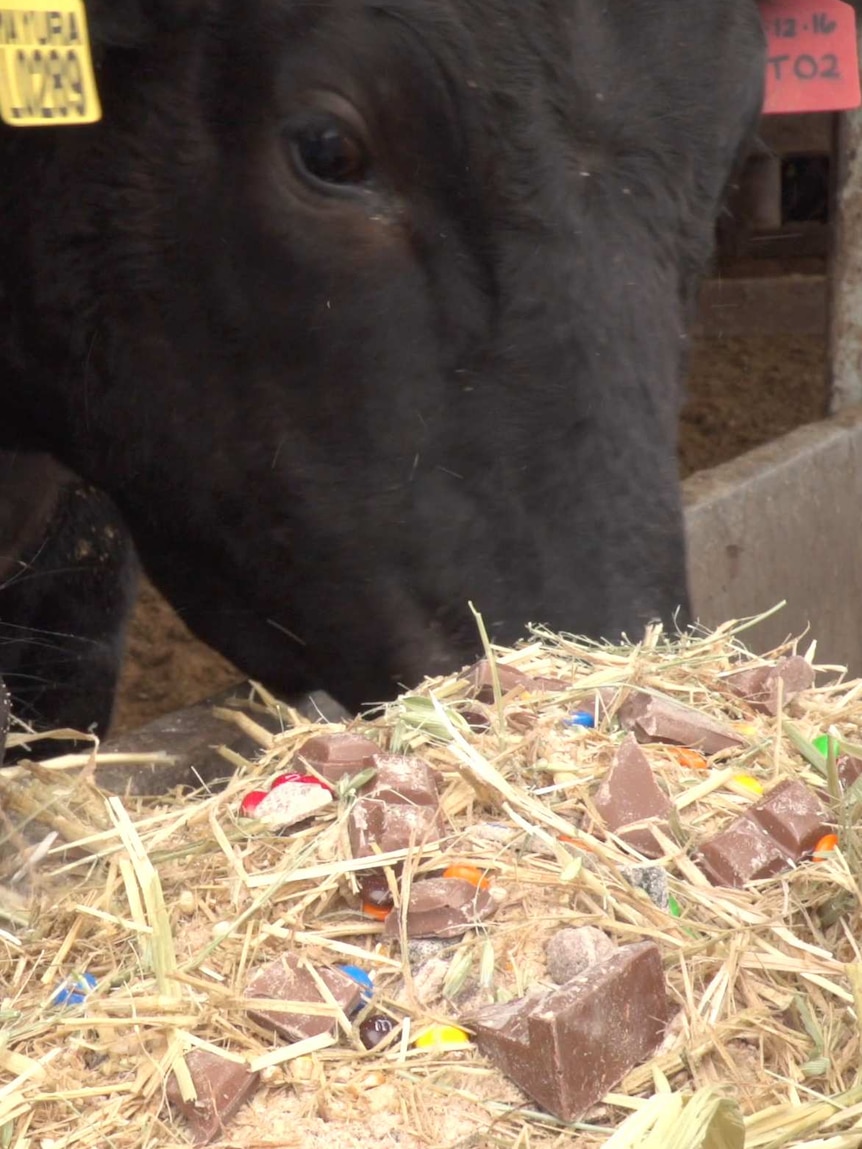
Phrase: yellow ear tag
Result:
[46,70]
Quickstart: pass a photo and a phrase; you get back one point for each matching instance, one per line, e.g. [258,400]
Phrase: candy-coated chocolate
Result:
[689,758]
[374,1028]
[74,991]
[746,782]
[580,718]
[381,913]
[747,729]
[579,842]
[361,978]
[826,844]
[470,874]
[441,1035]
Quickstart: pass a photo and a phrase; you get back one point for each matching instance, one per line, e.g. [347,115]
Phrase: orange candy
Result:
[468,874]
[827,842]
[689,758]
[579,842]
[379,912]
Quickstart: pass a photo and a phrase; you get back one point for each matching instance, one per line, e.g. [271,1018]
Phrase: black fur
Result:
[68,575]
[330,421]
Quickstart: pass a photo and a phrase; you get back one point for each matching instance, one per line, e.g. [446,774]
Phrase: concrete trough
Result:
[782,522]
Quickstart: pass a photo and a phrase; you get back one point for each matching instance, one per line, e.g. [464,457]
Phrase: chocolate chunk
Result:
[374,890]
[793,816]
[759,685]
[629,799]
[570,951]
[662,720]
[775,832]
[849,770]
[599,702]
[476,720]
[742,853]
[390,826]
[285,979]
[442,908]
[222,1086]
[509,678]
[334,755]
[403,779]
[566,1048]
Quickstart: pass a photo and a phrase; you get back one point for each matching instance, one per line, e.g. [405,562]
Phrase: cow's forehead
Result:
[615,68]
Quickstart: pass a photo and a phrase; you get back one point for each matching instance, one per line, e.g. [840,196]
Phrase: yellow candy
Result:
[748,783]
[441,1035]
[746,729]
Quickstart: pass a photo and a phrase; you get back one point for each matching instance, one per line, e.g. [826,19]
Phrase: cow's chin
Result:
[373,659]
[358,658]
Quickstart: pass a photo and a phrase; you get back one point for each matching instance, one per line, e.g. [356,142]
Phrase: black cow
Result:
[361,309]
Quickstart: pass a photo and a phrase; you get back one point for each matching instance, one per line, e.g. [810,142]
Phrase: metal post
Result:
[845,271]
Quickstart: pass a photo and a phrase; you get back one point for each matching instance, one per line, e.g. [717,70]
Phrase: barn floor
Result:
[726,415]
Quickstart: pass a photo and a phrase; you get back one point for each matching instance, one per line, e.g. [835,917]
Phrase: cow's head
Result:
[381,308]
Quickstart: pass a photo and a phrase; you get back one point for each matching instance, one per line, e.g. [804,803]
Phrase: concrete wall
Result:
[784,522]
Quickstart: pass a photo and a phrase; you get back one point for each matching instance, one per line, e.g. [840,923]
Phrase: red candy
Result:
[250,802]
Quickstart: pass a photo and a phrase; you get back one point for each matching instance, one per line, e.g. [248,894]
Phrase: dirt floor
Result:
[166,667]
[743,392]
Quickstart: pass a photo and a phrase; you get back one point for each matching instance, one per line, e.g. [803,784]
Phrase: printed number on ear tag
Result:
[46,70]
[812,57]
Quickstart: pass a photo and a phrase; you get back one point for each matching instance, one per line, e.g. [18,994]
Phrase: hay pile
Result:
[173,904]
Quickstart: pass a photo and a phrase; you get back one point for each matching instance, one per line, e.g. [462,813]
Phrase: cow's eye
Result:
[330,154]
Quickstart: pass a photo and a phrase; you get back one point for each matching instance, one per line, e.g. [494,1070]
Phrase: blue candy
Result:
[74,990]
[361,978]
[580,718]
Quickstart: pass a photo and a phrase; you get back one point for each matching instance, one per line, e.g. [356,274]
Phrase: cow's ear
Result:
[133,23]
